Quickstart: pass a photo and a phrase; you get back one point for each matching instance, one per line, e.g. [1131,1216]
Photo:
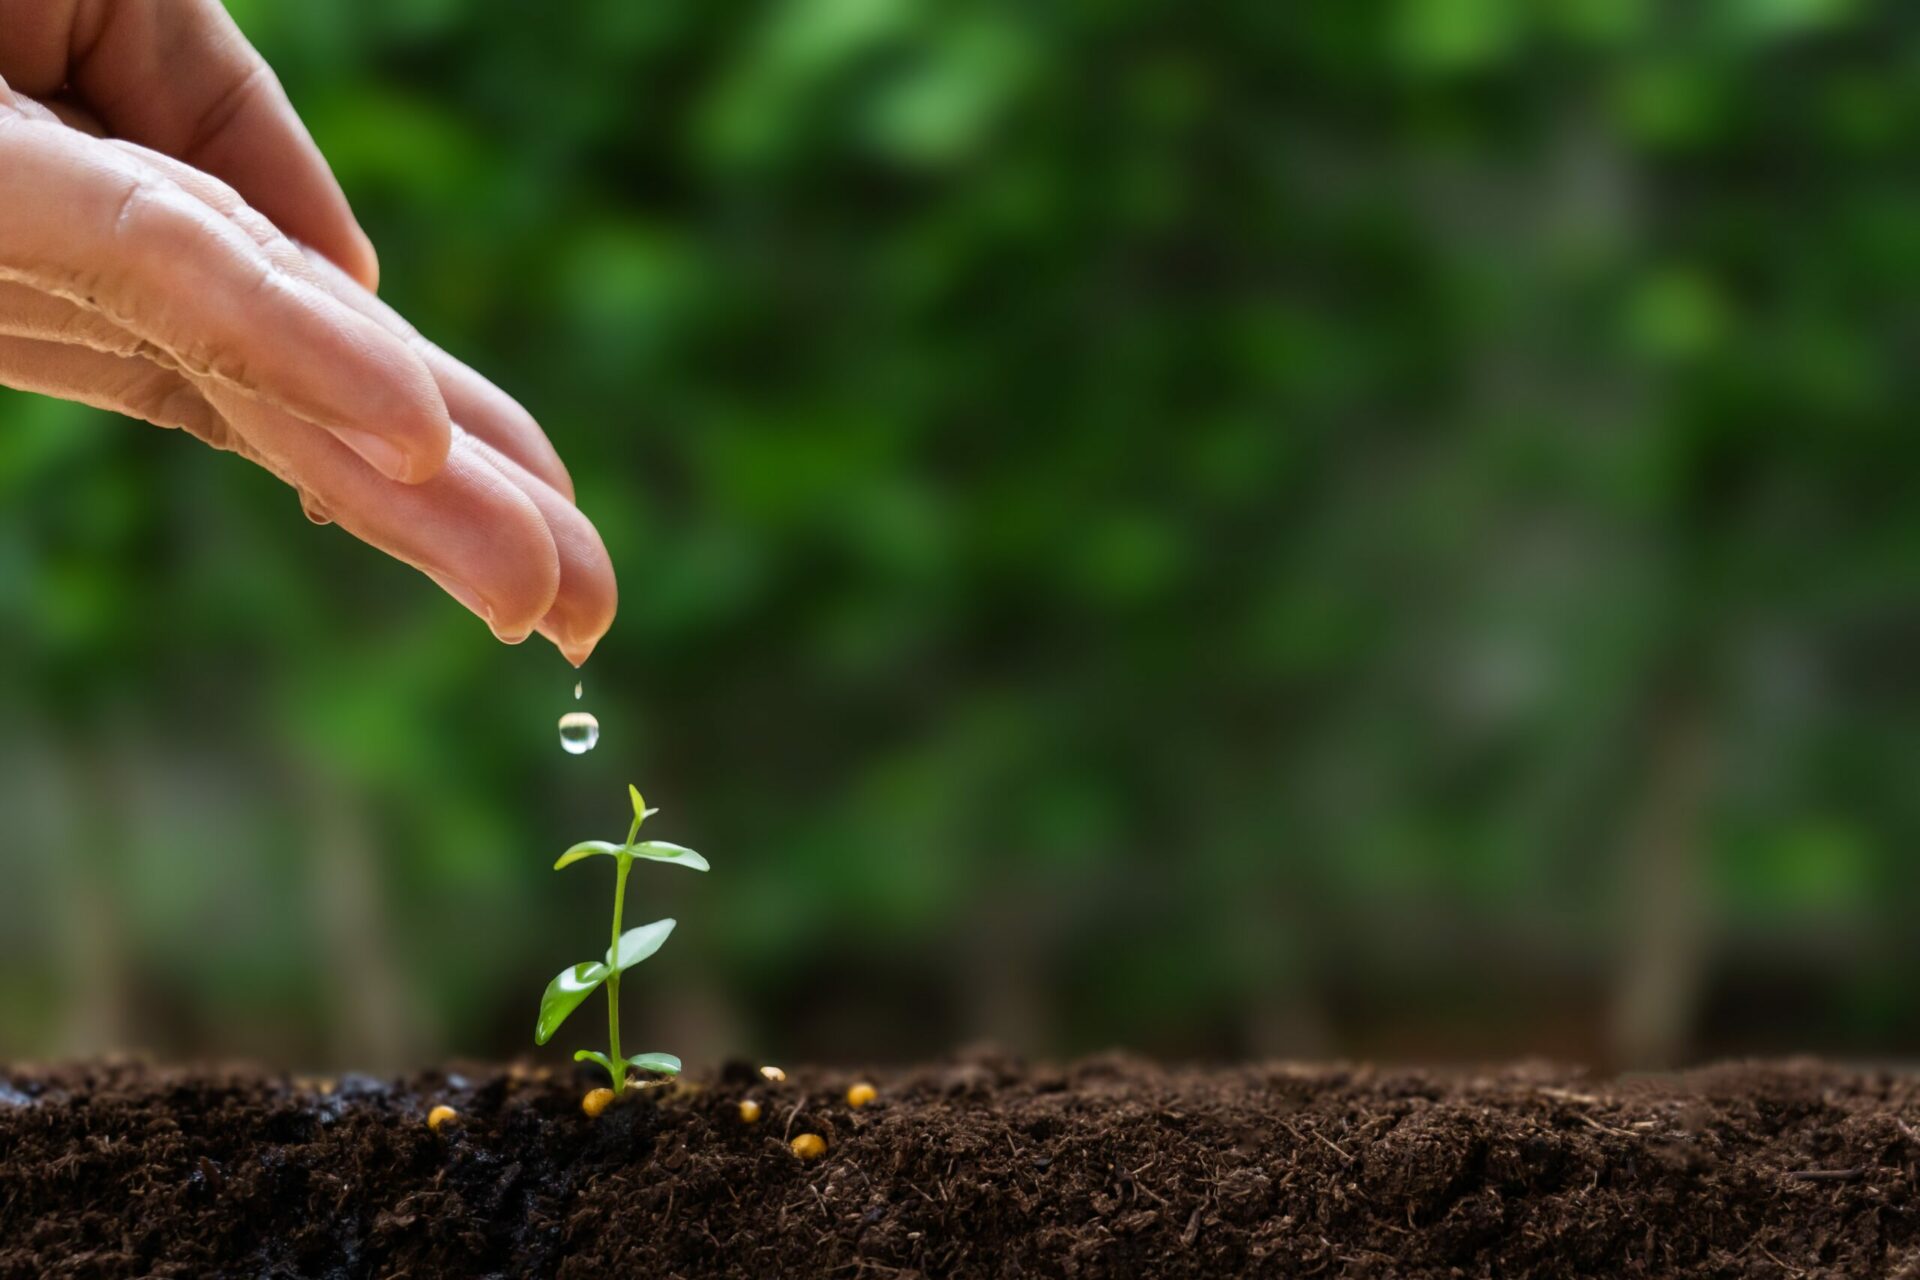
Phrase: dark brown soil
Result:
[977,1167]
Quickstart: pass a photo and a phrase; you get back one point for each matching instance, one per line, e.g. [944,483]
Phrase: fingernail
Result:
[382,454]
[369,273]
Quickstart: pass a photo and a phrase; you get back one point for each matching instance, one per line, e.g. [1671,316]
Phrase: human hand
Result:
[157,273]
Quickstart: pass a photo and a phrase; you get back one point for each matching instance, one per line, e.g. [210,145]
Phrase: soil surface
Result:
[975,1167]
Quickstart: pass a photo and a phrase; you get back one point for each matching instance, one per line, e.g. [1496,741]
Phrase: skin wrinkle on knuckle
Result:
[215,358]
[203,358]
[212,360]
[86,327]
[148,226]
[167,400]
[227,202]
[138,196]
[151,222]
[81,290]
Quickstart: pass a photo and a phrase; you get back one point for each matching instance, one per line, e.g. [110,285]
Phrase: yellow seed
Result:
[597,1101]
[774,1074]
[809,1146]
[861,1094]
[441,1115]
[749,1111]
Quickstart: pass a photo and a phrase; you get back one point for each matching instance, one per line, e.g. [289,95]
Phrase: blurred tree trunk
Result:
[692,1017]
[1002,1001]
[1287,1018]
[91,940]
[1663,934]
[375,1016]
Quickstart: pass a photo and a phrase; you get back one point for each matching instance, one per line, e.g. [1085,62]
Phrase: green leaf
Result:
[662,851]
[564,994]
[636,945]
[640,811]
[660,1063]
[586,849]
[606,1063]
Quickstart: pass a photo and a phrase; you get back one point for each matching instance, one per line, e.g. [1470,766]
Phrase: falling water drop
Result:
[576,690]
[579,731]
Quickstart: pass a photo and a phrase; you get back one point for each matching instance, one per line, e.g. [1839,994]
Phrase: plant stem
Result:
[619,1070]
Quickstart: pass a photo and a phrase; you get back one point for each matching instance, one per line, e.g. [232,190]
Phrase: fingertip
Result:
[589,594]
[477,605]
[426,456]
[575,646]
[581,610]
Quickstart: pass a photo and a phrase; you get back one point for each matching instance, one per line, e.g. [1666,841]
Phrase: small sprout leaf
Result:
[662,851]
[636,945]
[575,983]
[640,811]
[588,1055]
[585,849]
[663,1063]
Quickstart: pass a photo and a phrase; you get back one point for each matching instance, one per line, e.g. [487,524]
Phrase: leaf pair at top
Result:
[653,850]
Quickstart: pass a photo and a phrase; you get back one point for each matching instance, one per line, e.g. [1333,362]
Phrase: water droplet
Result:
[579,731]
[576,690]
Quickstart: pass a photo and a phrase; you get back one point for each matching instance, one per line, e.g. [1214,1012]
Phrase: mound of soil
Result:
[977,1167]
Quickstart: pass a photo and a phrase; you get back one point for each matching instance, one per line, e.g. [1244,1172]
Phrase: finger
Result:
[73,114]
[470,528]
[27,312]
[120,383]
[33,108]
[474,402]
[131,386]
[178,76]
[225,201]
[88,221]
[587,595]
[584,605]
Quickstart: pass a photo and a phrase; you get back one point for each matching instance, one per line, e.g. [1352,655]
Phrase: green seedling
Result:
[577,982]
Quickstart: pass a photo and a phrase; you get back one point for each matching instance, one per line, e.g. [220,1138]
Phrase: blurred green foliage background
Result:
[1226,529]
